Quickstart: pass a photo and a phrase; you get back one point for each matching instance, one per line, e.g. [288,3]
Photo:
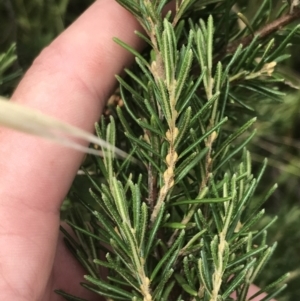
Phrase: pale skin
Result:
[71,80]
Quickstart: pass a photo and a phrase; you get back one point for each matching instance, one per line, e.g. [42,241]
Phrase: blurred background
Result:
[27,26]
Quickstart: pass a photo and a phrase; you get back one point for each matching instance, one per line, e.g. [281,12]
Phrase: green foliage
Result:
[7,59]
[182,223]
[184,220]
[32,25]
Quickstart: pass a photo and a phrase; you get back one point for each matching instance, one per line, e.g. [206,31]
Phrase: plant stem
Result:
[261,33]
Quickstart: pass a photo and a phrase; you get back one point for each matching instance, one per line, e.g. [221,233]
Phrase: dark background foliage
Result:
[32,24]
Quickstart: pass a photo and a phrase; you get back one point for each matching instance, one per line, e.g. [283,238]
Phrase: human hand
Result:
[70,80]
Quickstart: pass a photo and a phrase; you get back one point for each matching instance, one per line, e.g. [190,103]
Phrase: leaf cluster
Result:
[179,223]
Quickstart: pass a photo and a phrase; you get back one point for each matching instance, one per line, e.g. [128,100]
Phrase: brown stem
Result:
[262,33]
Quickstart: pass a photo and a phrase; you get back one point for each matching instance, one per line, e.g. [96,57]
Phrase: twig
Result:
[262,33]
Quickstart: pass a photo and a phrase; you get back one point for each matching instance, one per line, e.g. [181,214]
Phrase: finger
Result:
[69,80]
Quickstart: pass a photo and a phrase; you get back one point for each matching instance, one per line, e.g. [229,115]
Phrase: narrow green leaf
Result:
[150,160]
[252,57]
[233,136]
[154,115]
[233,271]
[180,279]
[142,144]
[218,78]
[201,43]
[271,286]
[282,58]
[160,289]
[103,263]
[141,233]
[246,54]
[225,256]
[234,58]
[132,244]
[125,274]
[136,79]
[145,125]
[266,52]
[69,238]
[123,120]
[183,125]
[189,271]
[195,238]
[103,292]
[246,196]
[265,91]
[131,50]
[244,19]
[174,256]
[184,6]
[184,71]
[203,277]
[237,280]
[120,200]
[111,138]
[206,107]
[179,29]
[136,204]
[181,105]
[154,229]
[201,221]
[124,98]
[193,145]
[158,28]
[174,225]
[259,13]
[273,294]
[84,231]
[200,201]
[234,151]
[246,256]
[146,69]
[143,37]
[228,216]
[129,88]
[218,218]
[262,262]
[214,248]
[118,281]
[189,290]
[203,28]
[183,170]
[262,200]
[160,6]
[210,37]
[131,6]
[260,232]
[167,291]
[108,287]
[170,253]
[108,227]
[166,54]
[68,297]
[163,99]
[249,223]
